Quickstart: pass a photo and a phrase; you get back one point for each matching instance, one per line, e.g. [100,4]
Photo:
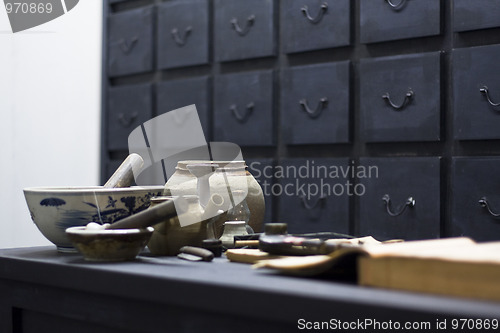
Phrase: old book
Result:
[454,267]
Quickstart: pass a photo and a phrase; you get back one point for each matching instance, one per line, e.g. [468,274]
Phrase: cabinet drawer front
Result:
[130,43]
[314,25]
[171,95]
[398,19]
[473,15]
[313,194]
[476,92]
[262,170]
[243,111]
[183,33]
[400,98]
[475,179]
[315,103]
[128,107]
[385,208]
[244,29]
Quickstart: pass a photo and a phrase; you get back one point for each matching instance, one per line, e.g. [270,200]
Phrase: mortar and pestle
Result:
[123,239]
[53,209]
[179,221]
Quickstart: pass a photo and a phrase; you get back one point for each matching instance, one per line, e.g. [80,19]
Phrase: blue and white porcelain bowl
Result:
[54,209]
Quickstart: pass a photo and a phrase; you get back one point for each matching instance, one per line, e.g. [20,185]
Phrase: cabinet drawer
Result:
[398,19]
[390,184]
[183,33]
[313,195]
[315,103]
[262,170]
[128,107]
[312,25]
[474,15]
[171,95]
[400,98]
[243,111]
[130,42]
[244,29]
[475,179]
[476,92]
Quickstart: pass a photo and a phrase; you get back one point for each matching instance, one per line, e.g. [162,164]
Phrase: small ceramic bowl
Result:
[109,244]
[54,209]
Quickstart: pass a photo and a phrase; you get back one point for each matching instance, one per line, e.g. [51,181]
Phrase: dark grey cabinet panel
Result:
[476,92]
[475,179]
[130,42]
[243,108]
[262,170]
[391,185]
[398,19]
[315,103]
[171,95]
[244,29]
[477,14]
[183,33]
[313,194]
[128,107]
[400,98]
[111,167]
[314,25]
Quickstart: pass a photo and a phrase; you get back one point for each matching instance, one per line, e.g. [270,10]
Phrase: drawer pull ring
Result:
[127,47]
[308,206]
[485,92]
[242,118]
[323,102]
[410,202]
[181,41]
[397,6]
[321,13]
[484,203]
[246,29]
[127,121]
[406,101]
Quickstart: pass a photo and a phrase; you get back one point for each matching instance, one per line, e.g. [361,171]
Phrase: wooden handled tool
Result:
[153,215]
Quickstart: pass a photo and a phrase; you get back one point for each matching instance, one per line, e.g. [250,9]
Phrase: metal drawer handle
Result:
[323,102]
[127,121]
[406,101]
[308,206]
[242,118]
[181,41]
[127,47]
[410,202]
[398,6]
[321,13]
[246,29]
[484,203]
[484,91]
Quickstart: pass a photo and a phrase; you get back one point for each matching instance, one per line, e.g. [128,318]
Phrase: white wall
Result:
[50,112]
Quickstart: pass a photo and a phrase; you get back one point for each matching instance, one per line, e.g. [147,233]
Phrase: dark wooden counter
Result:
[46,291]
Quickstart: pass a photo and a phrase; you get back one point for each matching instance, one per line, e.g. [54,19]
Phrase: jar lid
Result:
[275,229]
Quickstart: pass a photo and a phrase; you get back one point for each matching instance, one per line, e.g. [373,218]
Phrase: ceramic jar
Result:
[231,229]
[232,174]
[168,236]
